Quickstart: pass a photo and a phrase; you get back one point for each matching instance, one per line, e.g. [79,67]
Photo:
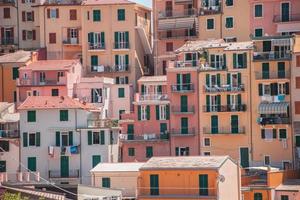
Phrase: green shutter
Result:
[57,138]
[102,39]
[234,61]
[203,184]
[154,184]
[31,162]
[15,73]
[244,155]
[121,14]
[106,182]
[127,39]
[228,100]
[102,137]
[281,69]
[234,124]
[207,80]
[121,92]
[90,137]
[94,60]
[96,15]
[37,139]
[157,112]
[207,103]
[260,89]
[214,124]
[139,112]
[149,152]
[239,76]
[91,38]
[96,159]
[148,112]
[228,79]
[263,134]
[219,80]
[224,62]
[239,99]
[184,125]
[219,103]
[245,60]
[212,61]
[31,116]
[2,166]
[116,60]
[282,134]
[25,139]
[258,196]
[274,133]
[265,71]
[70,138]
[163,128]
[63,115]
[168,111]
[116,40]
[142,89]
[183,103]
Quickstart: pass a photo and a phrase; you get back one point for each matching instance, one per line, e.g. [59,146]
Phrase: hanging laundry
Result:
[68,151]
[74,149]
[63,150]
[51,151]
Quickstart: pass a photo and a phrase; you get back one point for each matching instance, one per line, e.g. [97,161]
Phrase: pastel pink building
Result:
[48,78]
[274,17]
[145,131]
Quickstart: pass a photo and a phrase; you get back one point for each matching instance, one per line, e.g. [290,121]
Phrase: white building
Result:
[58,141]
[117,176]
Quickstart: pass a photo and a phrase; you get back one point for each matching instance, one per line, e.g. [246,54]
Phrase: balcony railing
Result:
[224,88]
[145,137]
[7,41]
[121,45]
[290,18]
[186,87]
[29,82]
[71,41]
[177,14]
[183,132]
[108,69]
[225,108]
[272,75]
[272,55]
[211,10]
[177,35]
[273,120]
[58,174]
[7,1]
[183,109]
[96,46]
[153,97]
[224,130]
[9,133]
[102,123]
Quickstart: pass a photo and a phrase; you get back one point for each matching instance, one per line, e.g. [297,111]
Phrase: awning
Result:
[288,27]
[273,108]
[177,23]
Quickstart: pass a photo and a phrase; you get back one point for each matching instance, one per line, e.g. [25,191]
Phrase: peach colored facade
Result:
[274,17]
[38,79]
[176,22]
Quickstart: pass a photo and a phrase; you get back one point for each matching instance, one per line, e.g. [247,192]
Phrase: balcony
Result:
[224,88]
[121,45]
[8,41]
[272,75]
[183,132]
[177,14]
[102,123]
[273,120]
[97,46]
[71,41]
[31,82]
[224,130]
[290,18]
[177,35]
[272,55]
[7,1]
[210,10]
[152,97]
[9,133]
[145,137]
[108,69]
[225,108]
[183,88]
[59,174]
[184,1]
[183,110]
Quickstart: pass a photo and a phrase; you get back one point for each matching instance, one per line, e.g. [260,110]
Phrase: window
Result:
[121,14]
[229,22]
[131,152]
[122,80]
[258,32]
[258,10]
[31,163]
[121,92]
[31,116]
[162,112]
[239,60]
[182,151]
[122,40]
[52,38]
[65,139]
[6,13]
[154,184]
[96,15]
[55,92]
[106,182]
[210,24]
[121,112]
[169,46]
[203,185]
[96,159]
[281,88]
[2,166]
[268,134]
[64,115]
[206,142]
[282,134]
[96,95]
[206,153]
[73,14]
[284,197]
[144,112]
[30,16]
[218,61]
[258,196]
[53,13]
[96,137]
[33,139]
[229,2]
[15,73]
[29,35]
[4,146]
[267,160]
[149,152]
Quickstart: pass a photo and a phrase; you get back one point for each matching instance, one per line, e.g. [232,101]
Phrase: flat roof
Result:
[118,167]
[289,185]
[106,2]
[185,162]
[16,57]
[153,79]
[49,65]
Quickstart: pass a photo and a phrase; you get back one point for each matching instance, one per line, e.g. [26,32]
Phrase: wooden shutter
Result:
[23,34]
[228,78]
[287,88]
[245,60]
[57,13]
[168,111]
[239,76]
[23,16]
[219,80]
[48,13]
[32,13]
[148,112]
[57,138]
[71,138]
[90,137]
[214,124]
[274,133]
[207,103]
[207,78]
[102,39]
[116,40]
[203,184]
[260,89]
[263,134]
[33,35]
[157,112]
[102,137]
[25,139]
[139,112]
[234,124]
[38,139]
[234,60]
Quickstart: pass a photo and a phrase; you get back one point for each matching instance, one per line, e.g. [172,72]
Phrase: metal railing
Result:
[121,45]
[147,97]
[183,131]
[22,82]
[9,133]
[273,120]
[7,1]
[58,174]
[224,88]
[73,41]
[177,192]
[210,10]
[186,87]
[272,75]
[97,46]
[7,41]
[177,14]
[102,123]
[225,108]
[183,109]
[144,137]
[272,55]
[177,35]
[224,130]
[290,18]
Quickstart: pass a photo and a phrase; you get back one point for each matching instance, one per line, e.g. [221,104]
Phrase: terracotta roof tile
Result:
[106,2]
[17,57]
[51,65]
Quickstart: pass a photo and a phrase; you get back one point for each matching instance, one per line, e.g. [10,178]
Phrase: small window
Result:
[229,2]
[6,13]
[229,22]
[32,139]
[2,166]
[207,153]
[121,14]
[258,10]
[282,134]
[54,13]
[169,46]
[106,182]
[131,152]
[4,146]
[121,92]
[55,92]
[96,15]
[52,38]
[258,32]
[96,138]
[210,24]
[258,196]
[15,72]
[29,16]
[267,160]
[149,152]
[284,197]
[73,14]
[206,142]
[63,115]
[31,116]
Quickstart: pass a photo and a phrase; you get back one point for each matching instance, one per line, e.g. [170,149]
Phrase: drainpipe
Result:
[221,20]
[18,24]
[2,82]
[198,114]
[291,115]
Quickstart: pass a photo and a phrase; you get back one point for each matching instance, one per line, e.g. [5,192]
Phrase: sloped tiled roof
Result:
[16,57]
[51,65]
[118,167]
[106,2]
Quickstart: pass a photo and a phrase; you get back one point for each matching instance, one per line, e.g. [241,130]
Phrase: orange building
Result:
[9,72]
[216,177]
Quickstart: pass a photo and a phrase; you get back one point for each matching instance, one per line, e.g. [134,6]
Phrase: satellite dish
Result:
[221,178]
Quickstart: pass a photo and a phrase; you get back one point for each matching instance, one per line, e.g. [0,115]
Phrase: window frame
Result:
[229,17]
[262,10]
[123,16]
[207,27]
